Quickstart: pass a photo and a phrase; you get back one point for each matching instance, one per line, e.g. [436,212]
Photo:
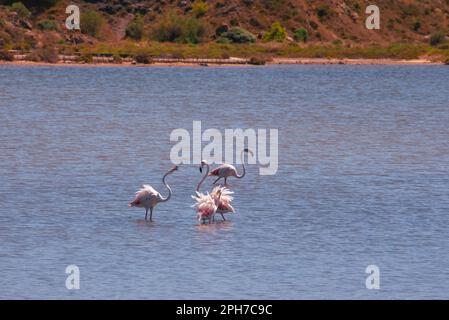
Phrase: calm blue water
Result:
[363,179]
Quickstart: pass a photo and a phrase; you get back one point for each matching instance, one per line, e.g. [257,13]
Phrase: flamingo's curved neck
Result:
[202,179]
[162,199]
[243,165]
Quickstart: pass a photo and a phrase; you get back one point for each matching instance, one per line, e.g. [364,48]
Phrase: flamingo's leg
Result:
[146,213]
[216,180]
[223,217]
[226,178]
[151,214]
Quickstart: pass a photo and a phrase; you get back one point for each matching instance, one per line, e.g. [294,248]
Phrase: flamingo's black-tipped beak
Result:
[248,151]
[201,169]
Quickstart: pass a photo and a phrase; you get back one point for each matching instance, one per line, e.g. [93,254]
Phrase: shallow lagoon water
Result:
[363,179]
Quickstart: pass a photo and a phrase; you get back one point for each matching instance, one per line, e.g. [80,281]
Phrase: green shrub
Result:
[21,10]
[337,42]
[256,61]
[194,31]
[276,33]
[91,23]
[46,25]
[143,58]
[301,35]
[169,28]
[48,3]
[324,11]
[273,5]
[6,56]
[175,28]
[409,10]
[416,26]
[237,35]
[199,8]
[45,54]
[135,29]
[38,4]
[5,39]
[85,58]
[437,38]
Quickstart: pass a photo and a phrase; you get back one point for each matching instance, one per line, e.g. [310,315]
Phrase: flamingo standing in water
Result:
[223,194]
[147,197]
[228,170]
[205,206]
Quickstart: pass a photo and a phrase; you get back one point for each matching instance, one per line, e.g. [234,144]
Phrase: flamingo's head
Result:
[203,163]
[174,169]
[248,151]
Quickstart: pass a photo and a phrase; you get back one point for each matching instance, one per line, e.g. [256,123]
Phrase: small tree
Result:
[301,35]
[276,33]
[134,30]
[91,23]
[46,54]
[193,32]
[21,10]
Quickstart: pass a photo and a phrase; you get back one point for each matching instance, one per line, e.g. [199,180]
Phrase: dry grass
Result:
[265,51]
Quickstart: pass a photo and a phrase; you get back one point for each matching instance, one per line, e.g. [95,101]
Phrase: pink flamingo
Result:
[222,194]
[205,207]
[147,197]
[227,170]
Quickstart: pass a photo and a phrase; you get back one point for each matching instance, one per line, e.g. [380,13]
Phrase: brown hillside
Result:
[334,22]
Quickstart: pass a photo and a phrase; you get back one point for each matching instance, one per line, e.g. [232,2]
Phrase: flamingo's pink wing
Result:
[225,206]
[215,172]
[204,205]
[143,193]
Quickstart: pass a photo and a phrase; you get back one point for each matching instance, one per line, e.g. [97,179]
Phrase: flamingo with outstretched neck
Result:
[223,194]
[226,170]
[147,197]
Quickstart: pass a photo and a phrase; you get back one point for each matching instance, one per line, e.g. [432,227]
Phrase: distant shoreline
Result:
[274,61]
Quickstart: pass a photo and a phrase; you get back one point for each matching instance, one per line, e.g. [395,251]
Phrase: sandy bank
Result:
[352,61]
[274,61]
